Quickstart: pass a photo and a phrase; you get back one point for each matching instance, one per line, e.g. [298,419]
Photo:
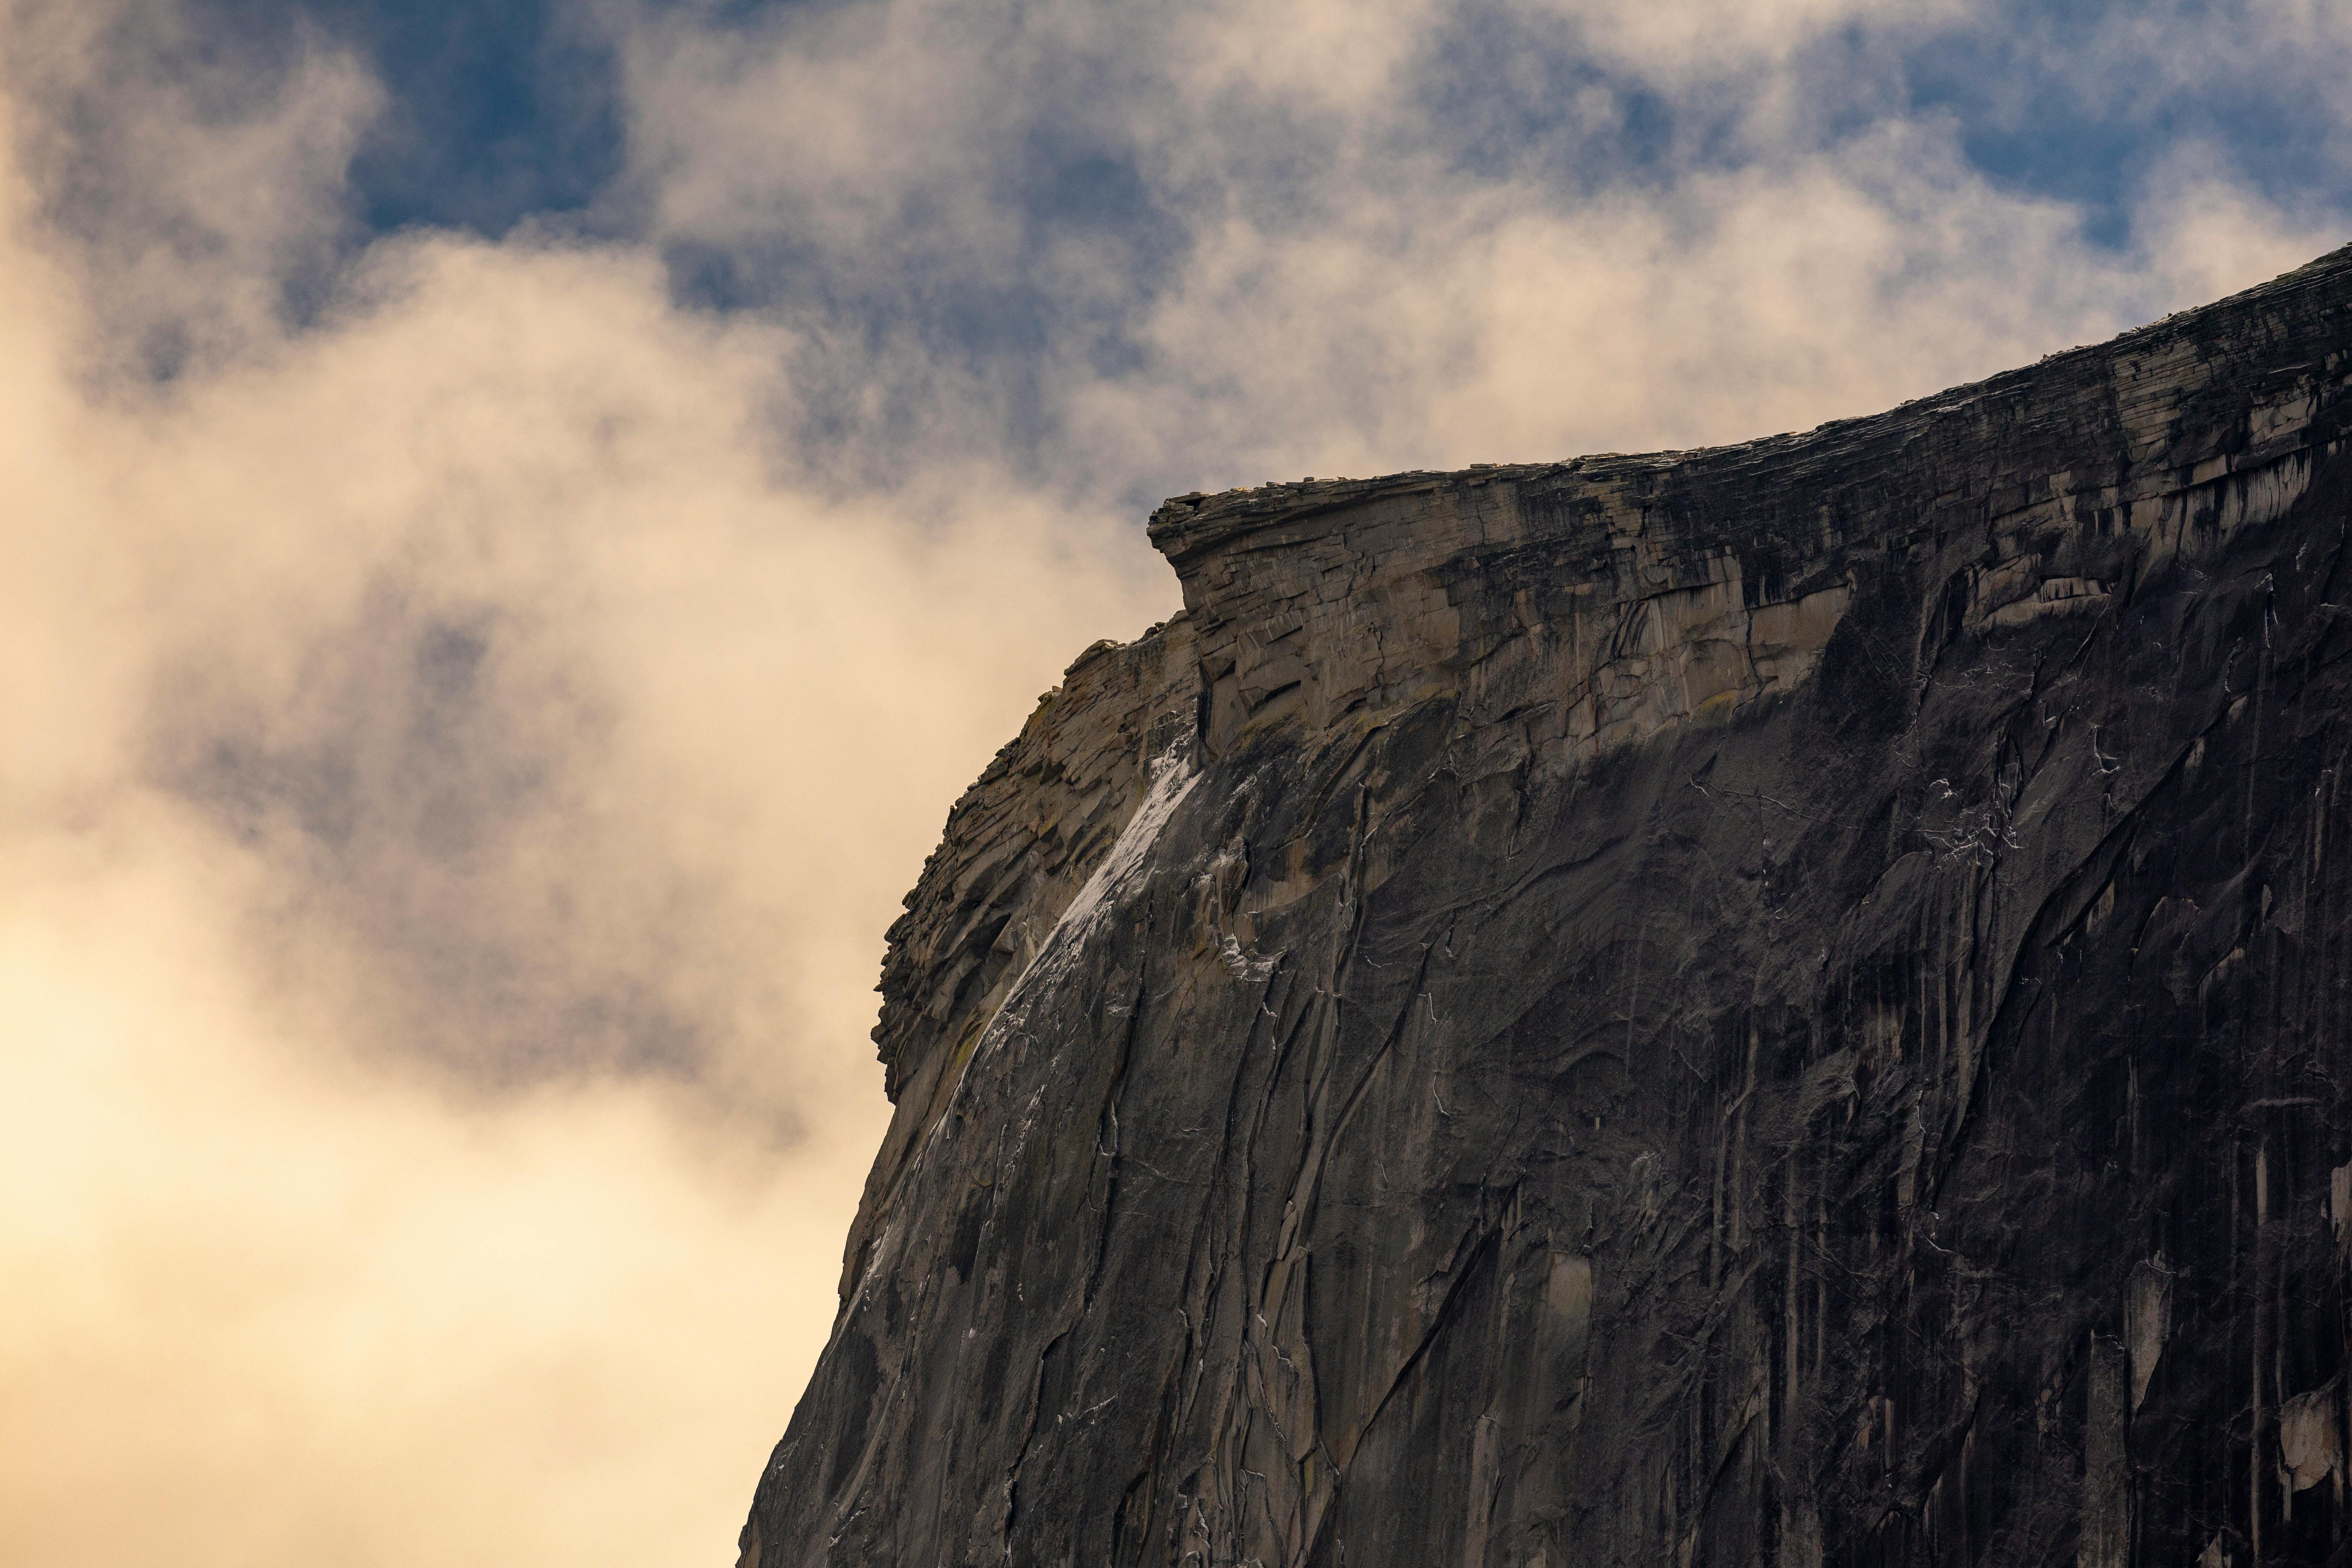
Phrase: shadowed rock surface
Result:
[1785,1003]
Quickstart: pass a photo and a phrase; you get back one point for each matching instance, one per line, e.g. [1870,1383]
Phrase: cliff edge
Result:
[1779,1004]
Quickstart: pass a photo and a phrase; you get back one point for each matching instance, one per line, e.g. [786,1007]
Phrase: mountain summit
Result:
[1788,1004]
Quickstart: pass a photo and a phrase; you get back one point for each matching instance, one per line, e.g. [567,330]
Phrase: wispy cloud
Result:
[1144,250]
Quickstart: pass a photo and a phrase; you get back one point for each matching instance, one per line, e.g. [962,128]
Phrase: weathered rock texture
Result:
[1787,1004]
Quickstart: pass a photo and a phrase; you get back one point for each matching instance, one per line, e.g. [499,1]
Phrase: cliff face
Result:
[1781,1004]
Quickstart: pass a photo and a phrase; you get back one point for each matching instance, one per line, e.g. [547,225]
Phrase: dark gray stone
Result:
[1786,1004]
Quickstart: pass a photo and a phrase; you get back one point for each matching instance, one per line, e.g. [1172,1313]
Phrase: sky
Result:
[521,517]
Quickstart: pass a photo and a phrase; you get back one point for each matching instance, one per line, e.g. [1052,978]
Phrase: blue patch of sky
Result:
[2043,101]
[1502,94]
[495,112]
[2055,102]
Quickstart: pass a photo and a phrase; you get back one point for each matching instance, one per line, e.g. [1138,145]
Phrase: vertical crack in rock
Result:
[1784,1003]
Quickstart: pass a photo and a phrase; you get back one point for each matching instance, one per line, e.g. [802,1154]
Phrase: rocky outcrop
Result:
[1779,1004]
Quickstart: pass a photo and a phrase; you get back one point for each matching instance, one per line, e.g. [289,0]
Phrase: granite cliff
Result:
[1785,1003]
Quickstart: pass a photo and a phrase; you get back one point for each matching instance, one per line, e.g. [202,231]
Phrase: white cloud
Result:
[189,183]
[1332,285]
[1681,40]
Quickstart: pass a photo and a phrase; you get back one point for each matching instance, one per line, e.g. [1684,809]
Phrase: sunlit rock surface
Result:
[1787,1004]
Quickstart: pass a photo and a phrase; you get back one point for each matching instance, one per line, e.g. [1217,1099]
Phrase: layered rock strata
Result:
[1784,1003]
